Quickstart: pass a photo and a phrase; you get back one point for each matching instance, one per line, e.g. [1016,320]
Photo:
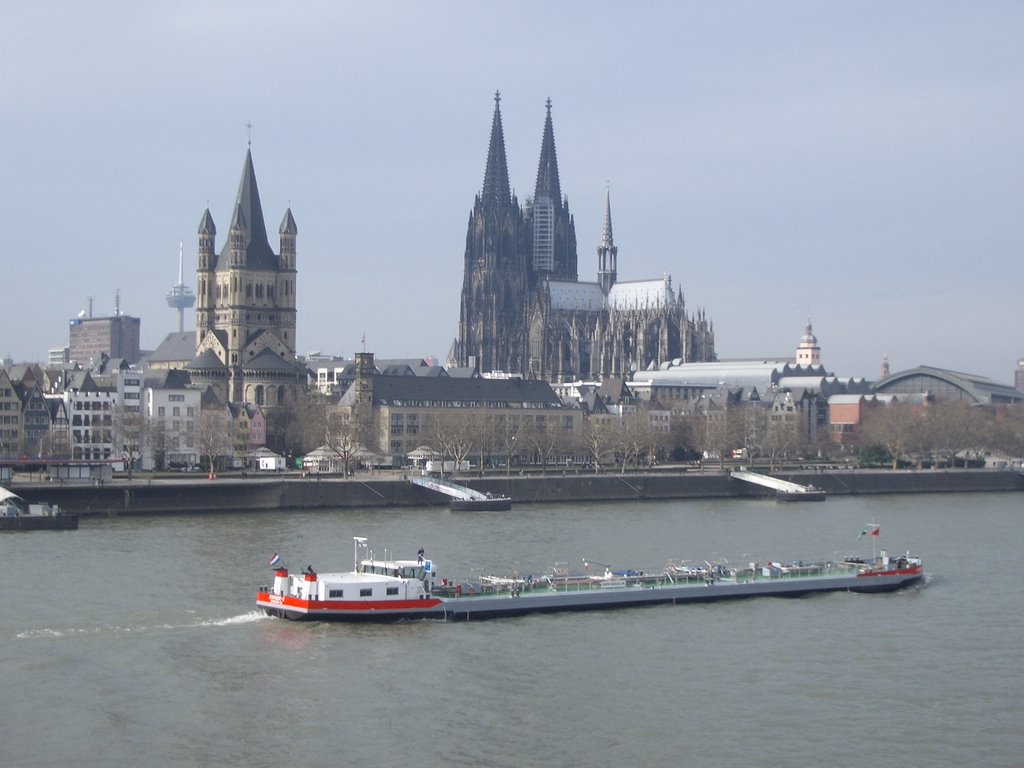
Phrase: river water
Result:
[133,642]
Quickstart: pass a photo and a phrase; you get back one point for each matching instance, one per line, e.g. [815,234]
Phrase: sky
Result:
[857,163]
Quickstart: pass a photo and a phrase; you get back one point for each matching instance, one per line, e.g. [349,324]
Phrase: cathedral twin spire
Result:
[550,247]
[547,171]
[496,189]
[520,267]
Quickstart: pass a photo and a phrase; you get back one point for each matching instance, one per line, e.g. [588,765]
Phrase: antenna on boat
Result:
[357,542]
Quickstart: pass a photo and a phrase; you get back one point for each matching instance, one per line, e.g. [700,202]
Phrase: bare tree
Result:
[543,438]
[507,438]
[214,436]
[453,436]
[780,437]
[950,428]
[341,437]
[485,439]
[596,439]
[319,422]
[898,427]
[129,435]
[634,437]
[286,430]
[684,430]
[157,441]
[1006,432]
[723,430]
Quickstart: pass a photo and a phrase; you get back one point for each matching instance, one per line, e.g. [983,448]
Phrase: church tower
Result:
[492,316]
[247,305]
[206,280]
[284,289]
[607,252]
[808,352]
[552,229]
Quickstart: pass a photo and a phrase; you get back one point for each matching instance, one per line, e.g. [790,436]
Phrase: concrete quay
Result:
[233,494]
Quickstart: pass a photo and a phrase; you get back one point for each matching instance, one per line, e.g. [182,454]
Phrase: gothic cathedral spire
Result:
[496,190]
[548,184]
[491,321]
[607,252]
[553,239]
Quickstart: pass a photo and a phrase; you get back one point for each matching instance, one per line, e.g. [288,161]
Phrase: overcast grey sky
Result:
[858,162]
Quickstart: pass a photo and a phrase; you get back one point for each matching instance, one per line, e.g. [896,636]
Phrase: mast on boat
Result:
[357,542]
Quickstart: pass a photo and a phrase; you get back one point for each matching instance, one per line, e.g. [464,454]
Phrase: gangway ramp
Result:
[461,497]
[784,489]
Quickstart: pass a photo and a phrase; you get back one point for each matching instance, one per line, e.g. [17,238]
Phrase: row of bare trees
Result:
[716,433]
[463,435]
[943,432]
[600,441]
[134,434]
[938,432]
[629,441]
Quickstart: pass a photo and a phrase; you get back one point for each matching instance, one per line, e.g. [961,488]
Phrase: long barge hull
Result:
[39,523]
[542,600]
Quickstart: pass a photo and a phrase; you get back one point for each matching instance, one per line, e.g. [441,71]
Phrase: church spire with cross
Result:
[553,229]
[607,252]
[548,184]
[496,189]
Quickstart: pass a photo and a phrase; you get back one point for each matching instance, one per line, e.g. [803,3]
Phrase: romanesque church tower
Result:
[246,311]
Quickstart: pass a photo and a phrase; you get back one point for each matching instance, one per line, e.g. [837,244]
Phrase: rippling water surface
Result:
[133,642]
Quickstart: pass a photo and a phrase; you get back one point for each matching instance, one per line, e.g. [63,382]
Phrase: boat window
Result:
[392,590]
[366,592]
[336,593]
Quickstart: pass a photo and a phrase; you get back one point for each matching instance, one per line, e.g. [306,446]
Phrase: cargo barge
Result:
[384,590]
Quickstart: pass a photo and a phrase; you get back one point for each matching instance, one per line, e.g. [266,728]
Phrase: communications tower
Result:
[180,297]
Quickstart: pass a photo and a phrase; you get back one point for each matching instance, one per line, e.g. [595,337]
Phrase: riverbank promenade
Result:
[230,493]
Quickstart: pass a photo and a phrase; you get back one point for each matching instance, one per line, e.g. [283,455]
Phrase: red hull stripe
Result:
[915,571]
[353,606]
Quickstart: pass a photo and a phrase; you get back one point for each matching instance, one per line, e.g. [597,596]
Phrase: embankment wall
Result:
[141,497]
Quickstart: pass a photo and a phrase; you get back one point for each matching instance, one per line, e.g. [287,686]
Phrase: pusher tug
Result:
[391,590]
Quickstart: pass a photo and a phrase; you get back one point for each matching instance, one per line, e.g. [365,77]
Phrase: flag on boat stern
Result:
[871,530]
[275,560]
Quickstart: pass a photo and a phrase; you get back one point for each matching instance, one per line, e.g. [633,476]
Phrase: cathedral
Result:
[245,314]
[524,309]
